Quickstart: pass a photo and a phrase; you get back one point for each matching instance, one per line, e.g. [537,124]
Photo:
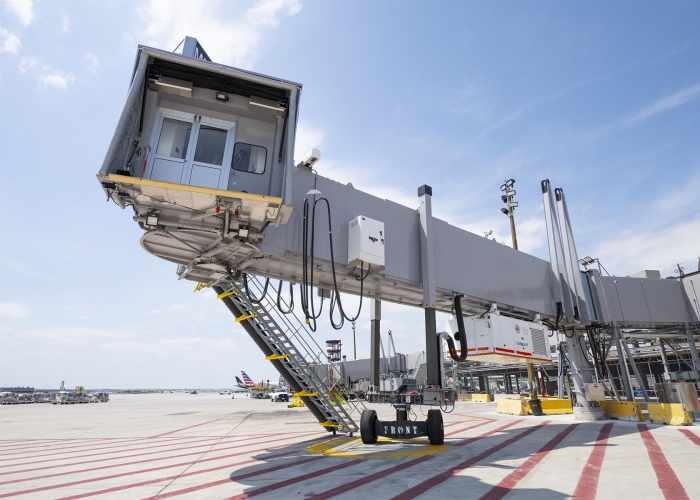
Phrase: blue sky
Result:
[601,98]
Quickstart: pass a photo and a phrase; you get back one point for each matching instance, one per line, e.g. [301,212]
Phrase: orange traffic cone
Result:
[233,396]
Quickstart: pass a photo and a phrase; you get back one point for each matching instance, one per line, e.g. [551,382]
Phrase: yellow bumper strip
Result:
[276,356]
[136,181]
[304,394]
[226,294]
[328,423]
[243,318]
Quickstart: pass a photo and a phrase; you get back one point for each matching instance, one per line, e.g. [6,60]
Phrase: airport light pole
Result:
[508,200]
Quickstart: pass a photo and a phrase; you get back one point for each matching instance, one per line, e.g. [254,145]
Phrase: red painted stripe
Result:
[588,482]
[511,480]
[368,479]
[504,350]
[230,479]
[206,442]
[151,481]
[298,479]
[483,348]
[471,349]
[86,447]
[670,486]
[524,353]
[429,484]
[467,428]
[486,434]
[169,457]
[185,428]
[213,469]
[92,461]
[691,435]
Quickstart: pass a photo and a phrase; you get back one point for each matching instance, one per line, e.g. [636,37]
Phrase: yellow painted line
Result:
[137,181]
[669,413]
[327,449]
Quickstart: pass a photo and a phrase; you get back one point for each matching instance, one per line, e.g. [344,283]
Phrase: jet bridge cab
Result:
[203,153]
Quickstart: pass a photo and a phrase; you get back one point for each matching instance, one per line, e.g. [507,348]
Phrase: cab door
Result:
[251,162]
[212,153]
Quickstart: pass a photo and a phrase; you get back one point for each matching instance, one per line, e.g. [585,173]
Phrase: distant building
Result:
[18,390]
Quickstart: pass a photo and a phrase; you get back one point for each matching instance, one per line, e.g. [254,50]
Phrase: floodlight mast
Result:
[508,198]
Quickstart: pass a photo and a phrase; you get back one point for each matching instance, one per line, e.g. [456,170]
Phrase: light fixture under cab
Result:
[152,217]
[222,96]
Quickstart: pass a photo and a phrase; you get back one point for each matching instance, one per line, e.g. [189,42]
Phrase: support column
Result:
[642,382]
[693,348]
[375,309]
[432,352]
[664,359]
[622,366]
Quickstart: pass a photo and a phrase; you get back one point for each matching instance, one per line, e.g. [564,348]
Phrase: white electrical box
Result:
[594,392]
[366,241]
[503,340]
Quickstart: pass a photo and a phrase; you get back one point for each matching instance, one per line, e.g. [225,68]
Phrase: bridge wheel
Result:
[436,432]
[367,430]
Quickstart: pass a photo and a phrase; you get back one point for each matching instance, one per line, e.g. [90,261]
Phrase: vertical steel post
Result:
[664,358]
[531,380]
[375,309]
[637,374]
[693,348]
[427,254]
[622,365]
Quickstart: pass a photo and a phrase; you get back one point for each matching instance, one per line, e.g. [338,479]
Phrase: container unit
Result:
[503,340]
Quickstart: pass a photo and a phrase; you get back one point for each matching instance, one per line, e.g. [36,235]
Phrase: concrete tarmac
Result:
[211,446]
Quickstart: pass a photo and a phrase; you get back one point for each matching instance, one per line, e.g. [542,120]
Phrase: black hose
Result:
[250,296]
[306,283]
[336,326]
[281,365]
[461,334]
[308,276]
[291,299]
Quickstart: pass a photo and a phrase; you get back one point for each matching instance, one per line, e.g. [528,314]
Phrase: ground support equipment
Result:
[371,428]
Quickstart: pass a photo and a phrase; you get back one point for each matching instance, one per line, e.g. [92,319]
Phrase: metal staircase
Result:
[294,352]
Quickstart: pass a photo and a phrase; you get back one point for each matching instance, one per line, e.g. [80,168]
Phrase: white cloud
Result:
[635,250]
[9,42]
[91,60]
[48,76]
[228,38]
[156,311]
[56,78]
[266,13]
[669,102]
[28,63]
[23,9]
[65,24]
[14,310]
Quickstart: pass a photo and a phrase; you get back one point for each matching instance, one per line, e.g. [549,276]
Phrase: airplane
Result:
[248,384]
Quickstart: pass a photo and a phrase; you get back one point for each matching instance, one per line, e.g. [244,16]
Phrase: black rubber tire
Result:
[436,432]
[367,430]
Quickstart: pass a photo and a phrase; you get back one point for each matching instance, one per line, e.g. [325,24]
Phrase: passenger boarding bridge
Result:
[203,154]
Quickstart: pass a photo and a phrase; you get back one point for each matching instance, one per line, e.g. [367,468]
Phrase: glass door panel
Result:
[171,151]
[208,157]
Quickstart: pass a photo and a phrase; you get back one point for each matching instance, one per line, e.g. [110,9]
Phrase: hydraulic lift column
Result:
[375,311]
[427,260]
